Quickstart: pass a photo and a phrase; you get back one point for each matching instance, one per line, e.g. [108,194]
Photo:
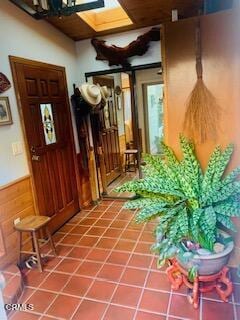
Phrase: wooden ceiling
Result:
[143,13]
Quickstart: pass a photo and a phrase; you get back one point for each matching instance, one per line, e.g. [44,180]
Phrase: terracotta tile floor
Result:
[104,271]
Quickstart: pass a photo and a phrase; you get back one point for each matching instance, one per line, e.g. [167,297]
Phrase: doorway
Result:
[45,116]
[129,100]
[112,129]
[106,133]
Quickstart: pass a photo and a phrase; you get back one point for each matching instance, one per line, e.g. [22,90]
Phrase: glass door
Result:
[153,97]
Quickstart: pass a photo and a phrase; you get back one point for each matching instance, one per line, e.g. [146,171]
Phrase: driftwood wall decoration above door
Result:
[119,55]
[4,83]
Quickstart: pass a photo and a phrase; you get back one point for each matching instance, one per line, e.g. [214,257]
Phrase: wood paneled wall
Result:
[221,73]
[16,200]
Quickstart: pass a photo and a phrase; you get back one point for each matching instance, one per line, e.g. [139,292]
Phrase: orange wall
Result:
[221,73]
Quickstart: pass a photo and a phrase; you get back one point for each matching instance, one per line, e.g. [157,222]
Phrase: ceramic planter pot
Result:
[210,264]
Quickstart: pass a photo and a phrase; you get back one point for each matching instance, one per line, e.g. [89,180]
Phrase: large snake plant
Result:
[189,204]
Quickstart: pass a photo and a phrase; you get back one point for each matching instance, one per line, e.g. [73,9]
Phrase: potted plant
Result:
[193,209]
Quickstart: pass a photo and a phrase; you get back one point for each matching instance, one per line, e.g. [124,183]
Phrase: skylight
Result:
[110,17]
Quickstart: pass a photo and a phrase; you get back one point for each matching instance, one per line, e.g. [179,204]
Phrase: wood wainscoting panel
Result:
[16,201]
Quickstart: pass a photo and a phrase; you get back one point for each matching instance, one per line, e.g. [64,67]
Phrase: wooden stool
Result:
[128,153]
[33,224]
[218,281]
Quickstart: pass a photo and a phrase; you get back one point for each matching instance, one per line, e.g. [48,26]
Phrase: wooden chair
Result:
[128,154]
[33,224]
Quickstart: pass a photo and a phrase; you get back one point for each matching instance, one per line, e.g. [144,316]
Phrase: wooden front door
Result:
[45,112]
[109,132]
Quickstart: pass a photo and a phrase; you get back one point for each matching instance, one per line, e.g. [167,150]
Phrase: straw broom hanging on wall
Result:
[202,112]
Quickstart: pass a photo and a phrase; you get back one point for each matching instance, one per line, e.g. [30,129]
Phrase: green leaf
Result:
[222,164]
[226,222]
[210,171]
[205,242]
[210,218]
[150,212]
[192,273]
[170,214]
[190,167]
[196,215]
[143,202]
[228,208]
[173,230]
[170,155]
[207,233]
[225,192]
[231,176]
[161,263]
[183,221]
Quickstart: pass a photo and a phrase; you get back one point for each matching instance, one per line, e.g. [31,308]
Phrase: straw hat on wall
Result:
[105,95]
[91,93]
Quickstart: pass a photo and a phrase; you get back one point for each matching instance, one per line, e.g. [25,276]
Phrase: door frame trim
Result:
[119,70]
[13,61]
[132,70]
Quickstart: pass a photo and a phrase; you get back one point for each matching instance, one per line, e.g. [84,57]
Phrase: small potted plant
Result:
[193,209]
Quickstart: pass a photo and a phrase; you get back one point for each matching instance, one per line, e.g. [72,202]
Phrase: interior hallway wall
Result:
[221,73]
[22,36]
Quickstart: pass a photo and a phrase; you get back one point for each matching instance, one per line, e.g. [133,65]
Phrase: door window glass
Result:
[48,123]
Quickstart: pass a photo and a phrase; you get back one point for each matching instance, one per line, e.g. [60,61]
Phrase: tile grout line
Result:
[74,225]
[124,269]
[68,232]
[201,307]
[103,262]
[234,307]
[95,278]
[143,288]
[181,318]
[169,304]
[82,235]
[52,271]
[77,307]
[110,281]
